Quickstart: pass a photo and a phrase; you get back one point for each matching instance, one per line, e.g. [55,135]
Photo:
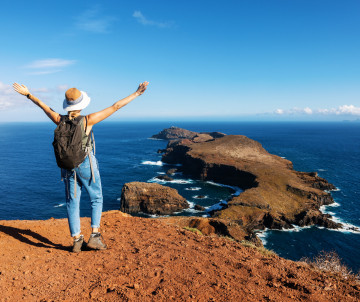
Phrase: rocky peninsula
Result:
[275,196]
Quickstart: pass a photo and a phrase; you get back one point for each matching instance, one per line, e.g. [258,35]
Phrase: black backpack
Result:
[67,143]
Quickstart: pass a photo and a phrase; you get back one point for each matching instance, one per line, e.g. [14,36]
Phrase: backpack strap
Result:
[91,134]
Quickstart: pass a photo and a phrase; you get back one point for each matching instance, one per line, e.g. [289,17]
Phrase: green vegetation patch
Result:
[194,230]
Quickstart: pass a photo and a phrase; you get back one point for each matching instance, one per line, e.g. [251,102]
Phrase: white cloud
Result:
[294,110]
[9,98]
[348,109]
[48,66]
[92,21]
[307,110]
[62,88]
[144,21]
[341,110]
[50,63]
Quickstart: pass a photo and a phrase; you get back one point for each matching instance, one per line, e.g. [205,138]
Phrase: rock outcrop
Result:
[179,133]
[215,226]
[275,195]
[151,198]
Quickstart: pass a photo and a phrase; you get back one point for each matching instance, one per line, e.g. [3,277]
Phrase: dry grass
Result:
[262,250]
[331,262]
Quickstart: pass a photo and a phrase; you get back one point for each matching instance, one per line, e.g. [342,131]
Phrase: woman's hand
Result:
[22,89]
[142,87]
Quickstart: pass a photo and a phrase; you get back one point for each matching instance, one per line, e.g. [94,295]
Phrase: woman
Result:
[75,179]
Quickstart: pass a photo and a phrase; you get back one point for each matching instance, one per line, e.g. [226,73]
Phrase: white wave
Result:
[321,170]
[152,163]
[161,173]
[236,189]
[182,181]
[174,181]
[191,204]
[262,234]
[155,139]
[200,196]
[282,156]
[324,208]
[190,210]
[346,227]
[216,206]
[59,205]
[193,189]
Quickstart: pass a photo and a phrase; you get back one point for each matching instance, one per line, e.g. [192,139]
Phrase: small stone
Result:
[199,208]
[27,257]
[111,288]
[136,286]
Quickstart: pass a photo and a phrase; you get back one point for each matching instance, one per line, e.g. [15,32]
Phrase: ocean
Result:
[31,188]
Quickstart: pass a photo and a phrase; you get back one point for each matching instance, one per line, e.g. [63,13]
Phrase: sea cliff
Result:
[274,196]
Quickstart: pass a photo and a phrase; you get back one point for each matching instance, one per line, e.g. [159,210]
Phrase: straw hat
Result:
[75,100]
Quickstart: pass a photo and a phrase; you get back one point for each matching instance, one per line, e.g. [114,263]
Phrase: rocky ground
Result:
[151,260]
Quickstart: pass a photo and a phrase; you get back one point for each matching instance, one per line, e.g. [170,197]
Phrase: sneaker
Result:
[78,243]
[96,242]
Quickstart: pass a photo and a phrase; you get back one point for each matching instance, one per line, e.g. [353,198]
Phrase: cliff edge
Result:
[150,260]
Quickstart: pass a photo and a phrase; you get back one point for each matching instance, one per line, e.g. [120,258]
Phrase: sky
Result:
[205,60]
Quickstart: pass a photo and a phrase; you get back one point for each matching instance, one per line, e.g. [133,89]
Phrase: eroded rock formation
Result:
[151,198]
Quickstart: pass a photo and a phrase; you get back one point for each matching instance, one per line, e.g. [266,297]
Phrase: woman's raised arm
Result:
[22,89]
[99,116]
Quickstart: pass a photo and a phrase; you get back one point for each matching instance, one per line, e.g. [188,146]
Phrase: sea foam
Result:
[193,189]
[59,205]
[174,181]
[200,196]
[152,163]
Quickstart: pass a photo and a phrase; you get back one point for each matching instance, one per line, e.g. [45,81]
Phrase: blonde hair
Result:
[73,114]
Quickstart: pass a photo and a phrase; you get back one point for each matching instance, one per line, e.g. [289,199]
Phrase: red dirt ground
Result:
[149,260]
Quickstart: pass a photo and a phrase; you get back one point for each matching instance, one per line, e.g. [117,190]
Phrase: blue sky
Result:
[205,60]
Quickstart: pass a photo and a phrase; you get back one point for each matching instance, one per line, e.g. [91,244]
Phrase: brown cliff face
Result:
[151,198]
[275,196]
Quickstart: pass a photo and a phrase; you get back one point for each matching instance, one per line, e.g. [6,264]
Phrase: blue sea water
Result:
[30,185]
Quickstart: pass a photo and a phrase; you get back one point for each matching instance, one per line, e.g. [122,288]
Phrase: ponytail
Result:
[73,114]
